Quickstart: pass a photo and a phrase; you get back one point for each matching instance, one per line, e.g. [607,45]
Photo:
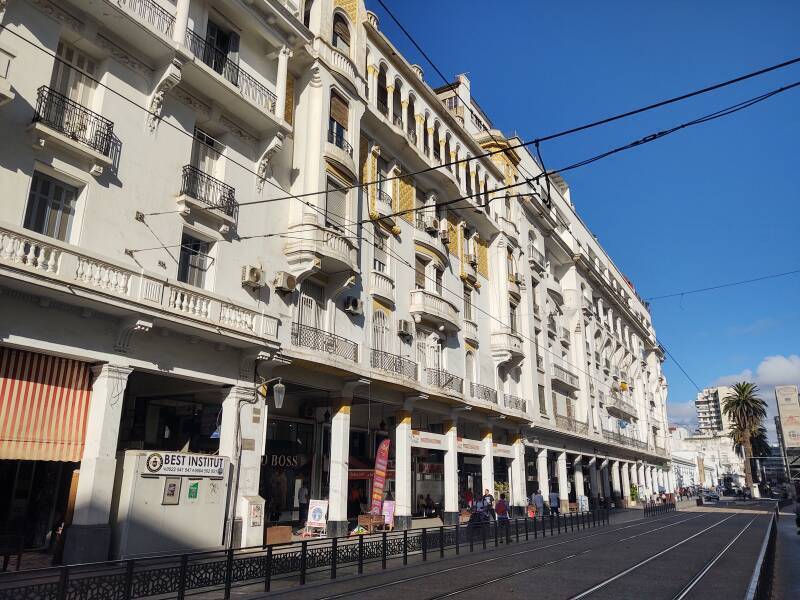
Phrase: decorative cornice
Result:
[168,80]
[275,146]
[59,14]
[122,56]
[238,130]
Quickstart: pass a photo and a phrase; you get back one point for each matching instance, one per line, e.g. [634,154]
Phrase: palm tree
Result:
[746,411]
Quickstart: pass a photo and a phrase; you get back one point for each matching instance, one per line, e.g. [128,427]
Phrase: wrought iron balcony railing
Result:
[322,341]
[209,190]
[337,139]
[73,120]
[565,376]
[483,392]
[392,363]
[572,424]
[447,381]
[398,120]
[625,440]
[151,13]
[384,199]
[382,107]
[515,402]
[218,60]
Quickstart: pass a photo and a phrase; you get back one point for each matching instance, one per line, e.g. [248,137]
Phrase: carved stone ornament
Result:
[264,170]
[168,80]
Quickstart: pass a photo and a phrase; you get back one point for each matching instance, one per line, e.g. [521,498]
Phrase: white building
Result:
[710,419]
[153,267]
[715,452]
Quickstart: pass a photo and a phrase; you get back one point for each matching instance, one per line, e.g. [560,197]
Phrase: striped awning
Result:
[44,404]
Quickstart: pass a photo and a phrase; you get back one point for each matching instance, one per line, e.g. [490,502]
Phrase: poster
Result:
[317,513]
[381,460]
[172,491]
[193,492]
[213,491]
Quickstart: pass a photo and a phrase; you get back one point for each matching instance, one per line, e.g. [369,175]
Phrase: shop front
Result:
[44,403]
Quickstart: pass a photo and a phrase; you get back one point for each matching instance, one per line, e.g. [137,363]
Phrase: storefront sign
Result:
[430,468]
[423,439]
[470,446]
[381,460]
[283,460]
[317,513]
[185,465]
[503,451]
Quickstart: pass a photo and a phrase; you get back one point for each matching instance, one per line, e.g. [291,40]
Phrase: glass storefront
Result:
[285,467]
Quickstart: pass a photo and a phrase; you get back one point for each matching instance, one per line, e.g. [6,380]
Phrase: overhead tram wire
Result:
[443,165]
[723,285]
[680,366]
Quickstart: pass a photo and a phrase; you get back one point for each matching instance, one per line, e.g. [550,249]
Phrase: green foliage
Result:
[747,412]
[634,493]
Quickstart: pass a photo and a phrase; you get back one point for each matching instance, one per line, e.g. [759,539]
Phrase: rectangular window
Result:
[438,274]
[512,316]
[222,52]
[339,113]
[419,274]
[335,205]
[467,303]
[383,175]
[73,75]
[51,207]
[380,258]
[206,152]
[194,260]
[542,401]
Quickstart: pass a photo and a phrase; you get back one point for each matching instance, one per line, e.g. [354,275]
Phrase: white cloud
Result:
[757,327]
[771,371]
[682,414]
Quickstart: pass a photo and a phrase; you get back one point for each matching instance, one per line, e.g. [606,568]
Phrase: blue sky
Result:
[716,203]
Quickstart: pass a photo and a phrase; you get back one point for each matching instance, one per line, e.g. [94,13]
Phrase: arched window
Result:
[341,34]
[469,370]
[380,331]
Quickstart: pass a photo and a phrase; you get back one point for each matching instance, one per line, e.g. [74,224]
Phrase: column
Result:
[487,462]
[450,516]
[519,491]
[89,537]
[648,481]
[653,482]
[402,470]
[563,482]
[577,467]
[404,116]
[418,118]
[606,483]
[442,157]
[390,102]
[240,438]
[642,481]
[593,487]
[626,485]
[616,490]
[372,83]
[340,456]
[284,55]
[181,22]
[429,153]
[541,474]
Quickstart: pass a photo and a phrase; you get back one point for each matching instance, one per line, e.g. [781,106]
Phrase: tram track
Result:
[506,556]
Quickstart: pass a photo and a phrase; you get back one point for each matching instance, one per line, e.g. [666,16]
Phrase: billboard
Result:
[789,413]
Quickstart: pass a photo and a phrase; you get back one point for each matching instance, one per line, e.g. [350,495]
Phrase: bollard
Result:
[303,558]
[441,542]
[516,529]
[526,527]
[129,579]
[268,570]
[383,552]
[424,544]
[360,554]
[458,536]
[228,573]
[405,546]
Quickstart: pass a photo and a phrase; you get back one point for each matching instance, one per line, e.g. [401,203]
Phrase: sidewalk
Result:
[787,554]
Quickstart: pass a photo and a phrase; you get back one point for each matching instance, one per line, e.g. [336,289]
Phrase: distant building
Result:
[709,410]
[713,453]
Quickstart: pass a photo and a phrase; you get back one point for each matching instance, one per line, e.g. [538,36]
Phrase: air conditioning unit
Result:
[353,305]
[405,328]
[252,276]
[432,225]
[444,235]
[284,282]
[472,259]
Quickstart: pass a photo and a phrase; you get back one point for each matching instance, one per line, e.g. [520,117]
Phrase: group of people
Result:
[536,503]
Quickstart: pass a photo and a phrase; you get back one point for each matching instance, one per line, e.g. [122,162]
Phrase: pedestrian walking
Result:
[488,501]
[501,511]
[538,502]
[554,503]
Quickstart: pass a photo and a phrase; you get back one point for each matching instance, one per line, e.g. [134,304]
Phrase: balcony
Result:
[325,248]
[471,331]
[337,139]
[382,107]
[306,336]
[536,259]
[382,285]
[227,83]
[201,190]
[108,281]
[443,380]
[508,343]
[563,376]
[515,402]
[73,127]
[412,136]
[572,425]
[431,307]
[618,406]
[623,439]
[397,120]
[394,364]
[565,336]
[383,203]
[483,392]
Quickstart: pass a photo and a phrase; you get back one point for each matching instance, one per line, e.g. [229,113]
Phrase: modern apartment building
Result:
[710,419]
[203,195]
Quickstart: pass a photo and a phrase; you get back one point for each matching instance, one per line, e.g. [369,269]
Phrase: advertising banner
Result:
[381,460]
[179,464]
[789,412]
[317,513]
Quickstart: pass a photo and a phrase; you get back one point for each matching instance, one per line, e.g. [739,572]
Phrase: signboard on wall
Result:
[503,450]
[424,439]
[179,464]
[789,412]
[470,446]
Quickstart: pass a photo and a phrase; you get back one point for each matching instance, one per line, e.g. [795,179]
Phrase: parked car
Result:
[711,497]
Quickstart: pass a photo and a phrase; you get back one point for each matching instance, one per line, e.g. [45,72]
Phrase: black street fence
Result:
[652,509]
[181,575]
[760,587]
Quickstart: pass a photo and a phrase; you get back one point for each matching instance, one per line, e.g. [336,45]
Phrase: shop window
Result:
[194,261]
[51,207]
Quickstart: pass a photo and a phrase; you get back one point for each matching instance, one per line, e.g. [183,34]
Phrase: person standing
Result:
[488,501]
[469,497]
[538,502]
[501,511]
[302,502]
[554,503]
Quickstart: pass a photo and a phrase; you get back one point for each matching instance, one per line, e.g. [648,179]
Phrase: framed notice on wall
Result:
[172,491]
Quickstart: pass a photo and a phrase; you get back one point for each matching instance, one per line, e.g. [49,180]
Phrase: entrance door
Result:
[311,311]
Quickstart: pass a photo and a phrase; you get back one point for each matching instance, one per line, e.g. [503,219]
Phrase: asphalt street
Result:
[687,554]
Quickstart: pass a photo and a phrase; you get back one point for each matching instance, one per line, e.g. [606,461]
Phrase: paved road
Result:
[694,553]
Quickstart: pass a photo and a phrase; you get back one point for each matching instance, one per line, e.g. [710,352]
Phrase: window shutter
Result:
[380,250]
[339,110]
[336,209]
[419,274]
[341,30]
